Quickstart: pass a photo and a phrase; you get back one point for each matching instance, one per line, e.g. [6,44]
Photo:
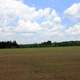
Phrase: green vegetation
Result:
[9,44]
[13,44]
[52,44]
[61,63]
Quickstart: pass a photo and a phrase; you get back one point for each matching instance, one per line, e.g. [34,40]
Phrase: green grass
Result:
[61,63]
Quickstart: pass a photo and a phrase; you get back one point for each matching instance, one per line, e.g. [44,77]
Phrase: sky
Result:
[34,21]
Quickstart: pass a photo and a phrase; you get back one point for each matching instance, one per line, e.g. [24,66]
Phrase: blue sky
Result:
[32,21]
[59,5]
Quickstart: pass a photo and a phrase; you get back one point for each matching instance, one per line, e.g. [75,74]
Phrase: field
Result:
[40,63]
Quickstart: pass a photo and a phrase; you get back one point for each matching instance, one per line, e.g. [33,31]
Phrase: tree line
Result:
[9,44]
[52,44]
[14,44]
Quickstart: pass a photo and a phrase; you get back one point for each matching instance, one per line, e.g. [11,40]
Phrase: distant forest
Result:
[14,44]
[9,44]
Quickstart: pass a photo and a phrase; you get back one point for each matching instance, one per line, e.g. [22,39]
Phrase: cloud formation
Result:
[73,11]
[21,22]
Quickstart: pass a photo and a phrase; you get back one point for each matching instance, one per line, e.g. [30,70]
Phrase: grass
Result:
[61,63]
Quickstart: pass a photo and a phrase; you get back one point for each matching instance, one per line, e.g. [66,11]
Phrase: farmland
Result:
[61,63]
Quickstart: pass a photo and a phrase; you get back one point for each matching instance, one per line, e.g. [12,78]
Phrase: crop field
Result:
[61,63]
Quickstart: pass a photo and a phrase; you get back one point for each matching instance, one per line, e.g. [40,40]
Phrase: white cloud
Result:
[24,16]
[74,30]
[27,26]
[24,23]
[73,11]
